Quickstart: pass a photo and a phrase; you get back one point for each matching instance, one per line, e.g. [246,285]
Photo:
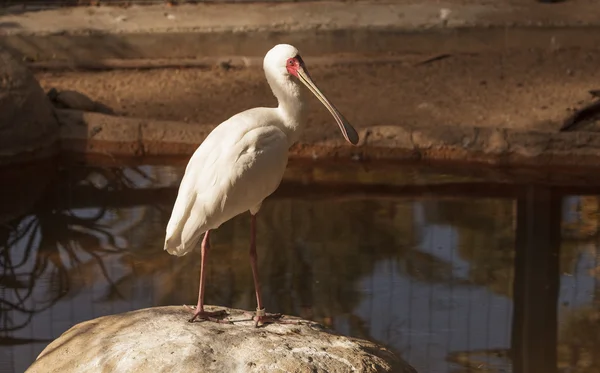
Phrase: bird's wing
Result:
[194,178]
[232,171]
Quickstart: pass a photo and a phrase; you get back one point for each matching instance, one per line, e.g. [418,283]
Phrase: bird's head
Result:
[283,64]
[283,59]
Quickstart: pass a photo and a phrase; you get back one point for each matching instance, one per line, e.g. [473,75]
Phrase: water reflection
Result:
[430,276]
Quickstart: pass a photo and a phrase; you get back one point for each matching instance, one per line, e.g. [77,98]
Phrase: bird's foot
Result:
[214,316]
[262,318]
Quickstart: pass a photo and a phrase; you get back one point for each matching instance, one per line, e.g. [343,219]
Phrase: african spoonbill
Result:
[239,164]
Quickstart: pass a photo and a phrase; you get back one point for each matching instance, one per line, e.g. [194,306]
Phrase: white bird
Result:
[240,163]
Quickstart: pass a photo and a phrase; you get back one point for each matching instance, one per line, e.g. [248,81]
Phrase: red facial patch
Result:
[293,65]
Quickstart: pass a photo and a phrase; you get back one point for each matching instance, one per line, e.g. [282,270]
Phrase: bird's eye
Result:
[291,62]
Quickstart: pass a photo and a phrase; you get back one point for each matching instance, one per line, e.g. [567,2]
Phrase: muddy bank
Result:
[493,109]
[533,90]
[500,109]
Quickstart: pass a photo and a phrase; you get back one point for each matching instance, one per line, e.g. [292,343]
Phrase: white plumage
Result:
[242,162]
[238,165]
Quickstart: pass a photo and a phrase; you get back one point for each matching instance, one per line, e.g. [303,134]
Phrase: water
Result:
[454,278]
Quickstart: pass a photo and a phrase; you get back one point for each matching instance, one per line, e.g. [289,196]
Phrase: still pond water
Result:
[434,277]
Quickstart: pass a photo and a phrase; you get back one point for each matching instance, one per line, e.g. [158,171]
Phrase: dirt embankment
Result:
[523,90]
[502,108]
[488,82]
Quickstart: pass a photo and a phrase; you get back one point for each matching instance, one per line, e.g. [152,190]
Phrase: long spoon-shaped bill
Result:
[347,130]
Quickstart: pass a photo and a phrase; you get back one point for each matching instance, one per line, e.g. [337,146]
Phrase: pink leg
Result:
[261,316]
[200,313]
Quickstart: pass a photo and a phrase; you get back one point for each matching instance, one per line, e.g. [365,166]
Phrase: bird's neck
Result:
[291,108]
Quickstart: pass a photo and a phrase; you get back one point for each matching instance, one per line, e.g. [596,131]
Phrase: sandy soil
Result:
[529,90]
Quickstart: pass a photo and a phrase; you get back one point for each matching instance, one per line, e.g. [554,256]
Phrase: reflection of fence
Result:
[411,266]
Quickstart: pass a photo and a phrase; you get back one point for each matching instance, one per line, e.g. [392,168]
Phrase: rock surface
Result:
[27,120]
[161,340]
[87,133]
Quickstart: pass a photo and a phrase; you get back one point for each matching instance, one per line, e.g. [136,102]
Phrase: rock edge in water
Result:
[27,120]
[160,339]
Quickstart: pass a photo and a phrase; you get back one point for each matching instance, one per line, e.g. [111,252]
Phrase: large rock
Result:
[27,120]
[161,340]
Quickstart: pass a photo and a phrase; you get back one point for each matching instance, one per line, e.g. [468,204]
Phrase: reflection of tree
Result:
[473,223]
[358,233]
[312,255]
[586,230]
[42,250]
[586,226]
[301,246]
[480,360]
[327,234]
[579,341]
[485,235]
[578,346]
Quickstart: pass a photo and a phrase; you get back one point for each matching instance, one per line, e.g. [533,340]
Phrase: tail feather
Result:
[173,247]
[174,243]
[176,247]
[185,229]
